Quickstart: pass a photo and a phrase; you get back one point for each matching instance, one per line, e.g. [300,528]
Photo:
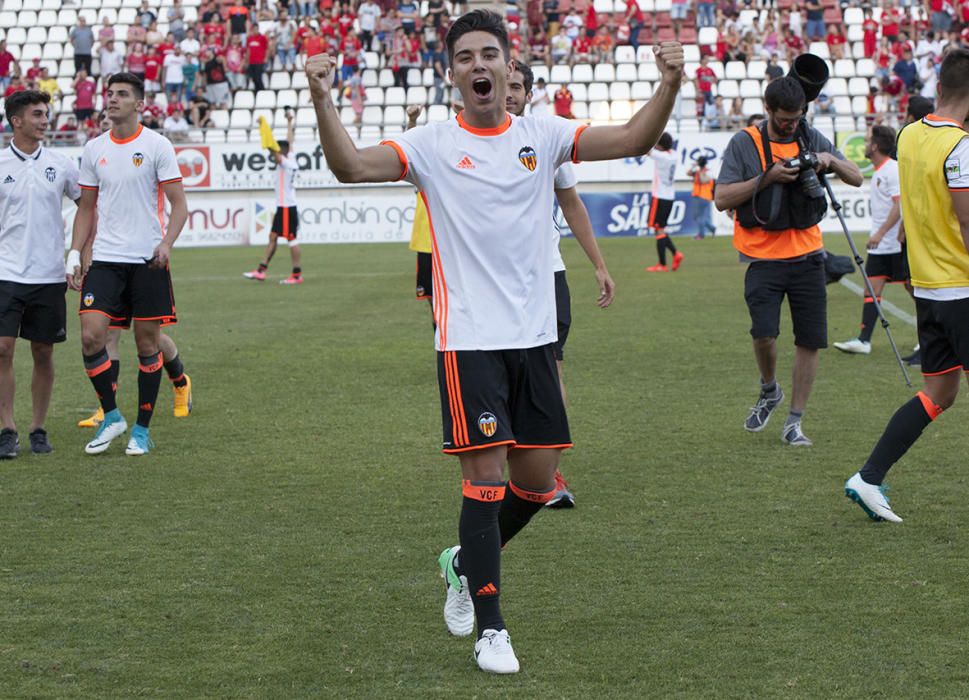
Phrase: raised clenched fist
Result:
[670,60]
[319,71]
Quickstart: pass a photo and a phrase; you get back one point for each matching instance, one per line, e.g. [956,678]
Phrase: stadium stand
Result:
[600,51]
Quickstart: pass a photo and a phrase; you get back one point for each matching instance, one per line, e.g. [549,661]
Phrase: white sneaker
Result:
[793,435]
[109,429]
[871,499]
[854,347]
[494,654]
[458,608]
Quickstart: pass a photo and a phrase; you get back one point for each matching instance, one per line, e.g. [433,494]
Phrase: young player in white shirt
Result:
[661,201]
[33,183]
[886,255]
[577,218]
[124,176]
[286,219]
[487,180]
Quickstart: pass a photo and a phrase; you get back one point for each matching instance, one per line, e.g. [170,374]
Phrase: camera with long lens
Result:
[807,163]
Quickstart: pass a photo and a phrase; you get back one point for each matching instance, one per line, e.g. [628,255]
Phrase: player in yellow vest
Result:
[933,163]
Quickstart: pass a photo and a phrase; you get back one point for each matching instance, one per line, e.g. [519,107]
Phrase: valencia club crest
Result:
[528,158]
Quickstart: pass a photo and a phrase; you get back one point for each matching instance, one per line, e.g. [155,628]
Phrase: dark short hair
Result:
[954,75]
[785,94]
[665,141]
[527,76]
[477,21]
[920,107]
[283,146]
[755,119]
[19,101]
[131,79]
[883,137]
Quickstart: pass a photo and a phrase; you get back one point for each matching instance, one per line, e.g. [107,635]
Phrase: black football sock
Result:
[149,379]
[176,371]
[98,368]
[263,266]
[869,314]
[669,244]
[902,431]
[297,271]
[517,508]
[661,251]
[115,374]
[481,550]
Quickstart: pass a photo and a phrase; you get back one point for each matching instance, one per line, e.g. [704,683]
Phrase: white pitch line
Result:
[886,305]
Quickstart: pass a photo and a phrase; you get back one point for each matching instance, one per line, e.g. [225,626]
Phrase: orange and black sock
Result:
[149,379]
[297,271]
[661,250]
[518,507]
[176,371]
[115,374]
[869,314]
[902,431]
[480,540]
[98,368]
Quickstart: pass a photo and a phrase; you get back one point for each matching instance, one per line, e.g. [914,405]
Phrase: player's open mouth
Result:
[481,87]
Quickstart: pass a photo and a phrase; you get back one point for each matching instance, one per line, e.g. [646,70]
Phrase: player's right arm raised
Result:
[348,163]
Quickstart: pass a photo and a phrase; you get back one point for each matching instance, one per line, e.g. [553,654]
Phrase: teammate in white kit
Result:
[286,218]
[126,175]
[33,183]
[661,201]
[487,179]
[577,218]
[887,261]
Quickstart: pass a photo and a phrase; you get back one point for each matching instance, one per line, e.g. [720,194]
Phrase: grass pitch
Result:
[282,541]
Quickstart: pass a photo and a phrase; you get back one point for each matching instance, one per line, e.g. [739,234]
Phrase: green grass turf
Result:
[282,541]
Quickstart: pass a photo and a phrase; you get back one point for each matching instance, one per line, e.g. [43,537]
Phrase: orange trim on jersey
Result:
[455,451]
[945,371]
[89,187]
[532,496]
[458,417]
[95,371]
[563,446]
[437,280]
[486,493]
[943,120]
[456,435]
[161,209]
[493,131]
[959,189]
[575,143]
[286,232]
[400,155]
[879,167]
[155,365]
[932,409]
[129,139]
[653,206]
[168,182]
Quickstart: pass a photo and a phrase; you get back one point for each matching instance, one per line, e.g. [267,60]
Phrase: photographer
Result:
[769,175]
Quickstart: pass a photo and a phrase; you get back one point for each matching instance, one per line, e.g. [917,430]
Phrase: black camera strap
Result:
[775,192]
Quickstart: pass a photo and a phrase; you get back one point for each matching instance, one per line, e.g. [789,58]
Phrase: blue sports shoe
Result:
[113,425]
[140,443]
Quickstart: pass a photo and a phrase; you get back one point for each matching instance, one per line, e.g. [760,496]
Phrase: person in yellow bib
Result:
[933,166]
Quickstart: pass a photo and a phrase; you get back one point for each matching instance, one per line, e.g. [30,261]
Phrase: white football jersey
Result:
[128,175]
[489,193]
[564,180]
[286,182]
[885,190]
[664,174]
[32,191]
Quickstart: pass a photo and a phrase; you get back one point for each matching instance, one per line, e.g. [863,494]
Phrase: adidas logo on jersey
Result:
[7,180]
[465,164]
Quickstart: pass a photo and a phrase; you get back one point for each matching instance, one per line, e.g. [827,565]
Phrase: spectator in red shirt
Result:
[312,43]
[214,28]
[257,47]
[235,62]
[634,18]
[705,80]
[84,90]
[350,47]
[16,85]
[67,133]
[563,103]
[135,61]
[793,44]
[581,50]
[890,21]
[591,21]
[152,114]
[869,34]
[538,48]
[603,44]
[153,66]
[345,21]
[7,65]
[33,73]
[836,42]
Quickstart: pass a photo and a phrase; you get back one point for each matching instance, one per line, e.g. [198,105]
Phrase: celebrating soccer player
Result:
[577,217]
[661,202]
[933,168]
[487,179]
[123,176]
[33,183]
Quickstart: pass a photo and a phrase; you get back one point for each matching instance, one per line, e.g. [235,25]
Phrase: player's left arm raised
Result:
[175,194]
[639,134]
[577,217]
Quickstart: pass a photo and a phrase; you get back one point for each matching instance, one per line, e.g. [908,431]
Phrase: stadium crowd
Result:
[194,67]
